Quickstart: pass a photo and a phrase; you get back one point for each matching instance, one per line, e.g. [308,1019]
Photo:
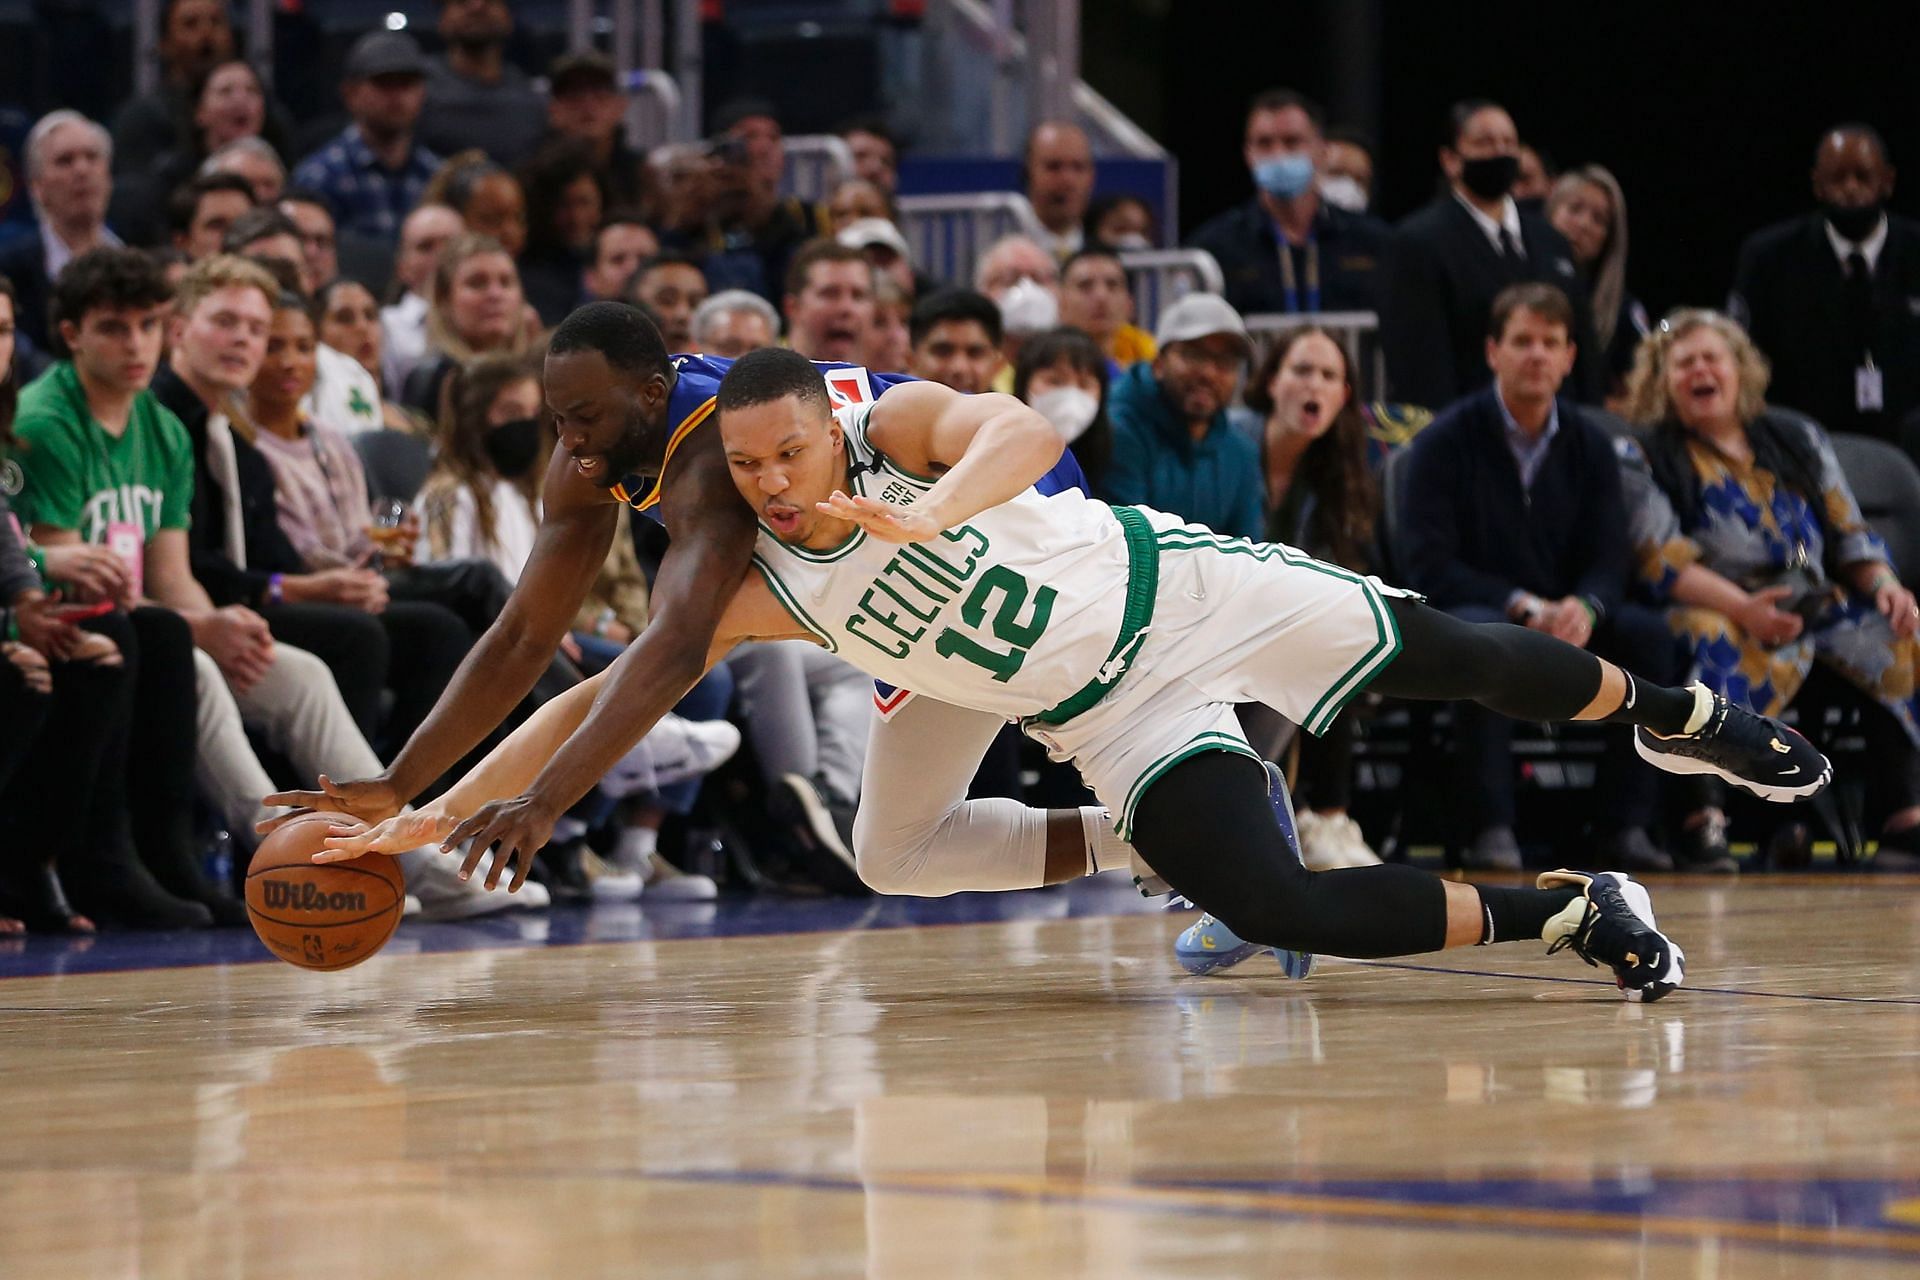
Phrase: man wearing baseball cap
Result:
[375,171]
[1173,448]
[586,102]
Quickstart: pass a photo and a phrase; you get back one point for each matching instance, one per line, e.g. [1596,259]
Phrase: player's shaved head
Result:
[769,374]
[629,341]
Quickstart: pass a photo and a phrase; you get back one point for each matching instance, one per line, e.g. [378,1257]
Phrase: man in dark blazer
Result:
[1833,297]
[1512,512]
[1446,263]
[68,159]
[1334,260]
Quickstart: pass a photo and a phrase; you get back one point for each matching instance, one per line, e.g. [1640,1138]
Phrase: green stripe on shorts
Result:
[1213,740]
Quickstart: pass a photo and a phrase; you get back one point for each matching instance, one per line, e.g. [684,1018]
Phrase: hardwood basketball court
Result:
[1022,1085]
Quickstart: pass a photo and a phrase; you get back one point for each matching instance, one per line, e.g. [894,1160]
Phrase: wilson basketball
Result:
[315,916]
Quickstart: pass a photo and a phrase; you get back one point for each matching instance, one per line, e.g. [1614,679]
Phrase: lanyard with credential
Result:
[1289,278]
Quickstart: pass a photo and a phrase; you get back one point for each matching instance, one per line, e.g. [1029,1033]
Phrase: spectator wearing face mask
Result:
[1450,259]
[1122,222]
[1346,174]
[1062,375]
[1826,295]
[1287,249]
[1023,280]
[482,500]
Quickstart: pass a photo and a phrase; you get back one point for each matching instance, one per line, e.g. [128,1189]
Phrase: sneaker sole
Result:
[1689,765]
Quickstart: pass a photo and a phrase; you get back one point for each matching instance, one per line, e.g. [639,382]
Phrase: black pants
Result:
[66,795]
[1633,637]
[157,647]
[1207,825]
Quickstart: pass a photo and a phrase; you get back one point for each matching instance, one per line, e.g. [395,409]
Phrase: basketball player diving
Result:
[905,536]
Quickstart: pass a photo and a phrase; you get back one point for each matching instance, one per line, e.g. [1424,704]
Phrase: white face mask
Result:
[1131,240]
[1343,192]
[1069,409]
[1028,307]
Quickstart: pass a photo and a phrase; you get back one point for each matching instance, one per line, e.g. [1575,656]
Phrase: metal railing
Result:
[1160,277]
[816,164]
[1357,331]
[948,233]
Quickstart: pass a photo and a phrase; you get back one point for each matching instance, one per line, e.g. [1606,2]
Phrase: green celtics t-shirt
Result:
[74,475]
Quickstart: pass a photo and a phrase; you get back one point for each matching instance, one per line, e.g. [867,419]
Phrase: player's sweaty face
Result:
[609,425]
[786,455]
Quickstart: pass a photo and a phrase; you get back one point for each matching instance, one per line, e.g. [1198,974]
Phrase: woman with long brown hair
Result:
[1322,496]
[482,499]
[476,308]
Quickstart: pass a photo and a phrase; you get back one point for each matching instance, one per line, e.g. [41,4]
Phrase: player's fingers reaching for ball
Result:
[521,825]
[396,835]
[371,800]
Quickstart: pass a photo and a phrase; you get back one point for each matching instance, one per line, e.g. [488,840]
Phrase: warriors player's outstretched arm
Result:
[985,449]
[713,533]
[511,767]
[575,533]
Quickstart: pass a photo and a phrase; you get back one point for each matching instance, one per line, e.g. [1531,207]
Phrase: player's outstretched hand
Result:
[520,827]
[397,834]
[883,520]
[372,800]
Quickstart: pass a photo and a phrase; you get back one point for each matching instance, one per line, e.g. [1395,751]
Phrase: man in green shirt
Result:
[105,462]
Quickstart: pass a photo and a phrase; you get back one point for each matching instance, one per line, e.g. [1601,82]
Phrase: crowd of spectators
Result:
[273,436]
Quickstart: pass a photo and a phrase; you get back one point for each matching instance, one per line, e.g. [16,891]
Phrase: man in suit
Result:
[69,176]
[1449,260]
[1332,260]
[1512,512]
[1833,297]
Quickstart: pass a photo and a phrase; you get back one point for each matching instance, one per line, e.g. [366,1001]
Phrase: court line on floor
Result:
[1197,1201]
[1589,982]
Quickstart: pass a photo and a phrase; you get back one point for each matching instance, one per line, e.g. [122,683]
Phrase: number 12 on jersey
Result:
[1022,633]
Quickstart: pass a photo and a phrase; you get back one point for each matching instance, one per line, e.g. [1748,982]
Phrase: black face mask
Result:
[1490,177]
[1853,222]
[512,446]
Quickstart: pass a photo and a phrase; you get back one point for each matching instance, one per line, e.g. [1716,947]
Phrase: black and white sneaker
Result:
[1611,923]
[1753,752]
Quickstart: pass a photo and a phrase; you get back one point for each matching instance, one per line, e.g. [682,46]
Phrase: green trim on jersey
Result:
[1213,740]
[925,482]
[1143,585]
[791,605]
[828,556]
[1387,632]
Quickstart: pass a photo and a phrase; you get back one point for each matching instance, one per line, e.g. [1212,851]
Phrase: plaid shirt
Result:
[366,196]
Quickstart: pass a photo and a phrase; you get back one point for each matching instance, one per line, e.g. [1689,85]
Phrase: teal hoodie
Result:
[1214,481]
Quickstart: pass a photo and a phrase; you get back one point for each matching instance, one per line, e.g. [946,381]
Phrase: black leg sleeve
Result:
[1208,828]
[1522,674]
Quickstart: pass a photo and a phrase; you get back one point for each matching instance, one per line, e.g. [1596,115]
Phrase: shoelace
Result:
[1577,939]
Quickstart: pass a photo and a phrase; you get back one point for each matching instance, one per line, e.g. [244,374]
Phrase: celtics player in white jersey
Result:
[905,536]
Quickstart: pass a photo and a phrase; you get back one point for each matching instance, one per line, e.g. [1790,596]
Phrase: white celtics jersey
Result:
[1031,608]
